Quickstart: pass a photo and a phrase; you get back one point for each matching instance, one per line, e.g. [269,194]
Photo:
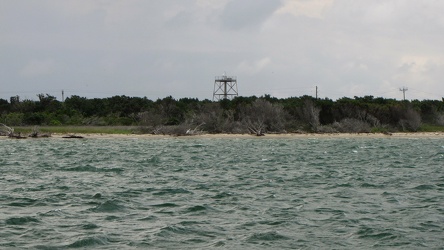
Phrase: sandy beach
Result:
[267,136]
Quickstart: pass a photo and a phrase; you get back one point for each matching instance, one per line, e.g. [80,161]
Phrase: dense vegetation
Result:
[257,115]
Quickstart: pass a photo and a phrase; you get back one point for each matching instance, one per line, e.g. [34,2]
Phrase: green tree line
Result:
[252,114]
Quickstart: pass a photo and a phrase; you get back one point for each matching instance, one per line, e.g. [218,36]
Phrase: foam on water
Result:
[227,193]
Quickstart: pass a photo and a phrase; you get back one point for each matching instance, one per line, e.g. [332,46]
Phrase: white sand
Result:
[307,135]
[284,136]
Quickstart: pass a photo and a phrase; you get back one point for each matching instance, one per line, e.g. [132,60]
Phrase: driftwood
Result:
[32,135]
[195,131]
[8,131]
[157,130]
[73,137]
[19,136]
[36,133]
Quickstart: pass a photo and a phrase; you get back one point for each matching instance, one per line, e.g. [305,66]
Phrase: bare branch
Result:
[195,131]
[7,130]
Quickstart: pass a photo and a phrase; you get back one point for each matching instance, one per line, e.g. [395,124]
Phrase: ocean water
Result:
[200,193]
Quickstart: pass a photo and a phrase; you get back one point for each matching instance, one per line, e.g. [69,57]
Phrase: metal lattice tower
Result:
[225,87]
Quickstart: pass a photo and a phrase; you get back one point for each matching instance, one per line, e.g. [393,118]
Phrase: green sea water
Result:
[200,193]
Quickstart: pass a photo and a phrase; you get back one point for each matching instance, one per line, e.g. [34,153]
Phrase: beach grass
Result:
[431,128]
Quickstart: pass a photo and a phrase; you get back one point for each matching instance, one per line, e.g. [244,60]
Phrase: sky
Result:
[160,48]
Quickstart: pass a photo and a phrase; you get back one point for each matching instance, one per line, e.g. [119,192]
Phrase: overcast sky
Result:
[157,48]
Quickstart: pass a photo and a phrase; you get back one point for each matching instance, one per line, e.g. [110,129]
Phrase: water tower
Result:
[225,87]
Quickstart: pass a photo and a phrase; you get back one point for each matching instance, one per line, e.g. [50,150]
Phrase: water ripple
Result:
[196,193]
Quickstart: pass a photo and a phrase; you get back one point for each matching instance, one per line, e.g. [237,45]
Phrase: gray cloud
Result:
[240,14]
[160,48]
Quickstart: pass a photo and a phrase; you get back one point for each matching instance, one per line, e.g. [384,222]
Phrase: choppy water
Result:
[254,193]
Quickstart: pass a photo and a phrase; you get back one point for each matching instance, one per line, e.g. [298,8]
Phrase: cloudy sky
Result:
[157,48]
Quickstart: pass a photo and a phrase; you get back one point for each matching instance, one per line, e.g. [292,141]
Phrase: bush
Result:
[351,125]
[262,116]
[440,119]
[411,120]
[13,119]
[381,129]
[173,130]
[94,121]
[55,123]
[327,129]
[34,118]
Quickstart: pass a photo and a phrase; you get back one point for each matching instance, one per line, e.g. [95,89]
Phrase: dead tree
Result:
[256,127]
[35,133]
[195,131]
[8,131]
[262,116]
[310,114]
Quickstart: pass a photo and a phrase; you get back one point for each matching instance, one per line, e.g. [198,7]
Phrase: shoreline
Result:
[241,136]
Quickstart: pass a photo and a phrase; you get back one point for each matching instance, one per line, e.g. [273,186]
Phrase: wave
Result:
[167,204]
[23,202]
[90,242]
[385,234]
[424,187]
[21,220]
[222,194]
[168,191]
[89,168]
[109,206]
[89,226]
[267,236]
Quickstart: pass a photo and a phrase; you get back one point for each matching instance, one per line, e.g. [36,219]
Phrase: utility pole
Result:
[63,96]
[316,92]
[403,89]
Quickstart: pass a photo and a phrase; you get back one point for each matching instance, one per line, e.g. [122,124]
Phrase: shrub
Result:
[440,119]
[411,120]
[351,125]
[327,129]
[13,119]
